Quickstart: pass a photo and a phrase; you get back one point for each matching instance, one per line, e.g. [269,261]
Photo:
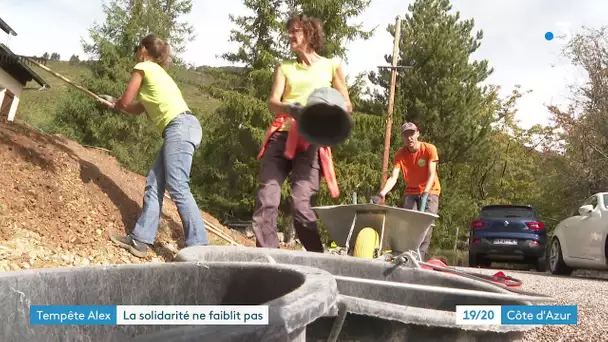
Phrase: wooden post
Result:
[391,101]
[456,240]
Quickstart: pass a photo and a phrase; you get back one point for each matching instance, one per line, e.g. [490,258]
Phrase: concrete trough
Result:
[296,296]
[382,302]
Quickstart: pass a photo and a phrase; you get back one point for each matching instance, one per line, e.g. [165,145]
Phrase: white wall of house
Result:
[7,82]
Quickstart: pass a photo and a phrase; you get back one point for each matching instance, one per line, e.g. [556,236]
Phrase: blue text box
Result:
[72,314]
[539,314]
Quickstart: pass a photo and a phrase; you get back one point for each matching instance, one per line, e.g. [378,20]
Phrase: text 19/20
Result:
[478,315]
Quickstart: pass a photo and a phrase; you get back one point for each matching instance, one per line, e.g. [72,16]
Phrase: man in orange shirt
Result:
[417,161]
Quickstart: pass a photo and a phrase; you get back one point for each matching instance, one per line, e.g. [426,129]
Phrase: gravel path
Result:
[587,289]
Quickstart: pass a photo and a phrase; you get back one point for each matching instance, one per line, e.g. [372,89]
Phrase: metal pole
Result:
[391,100]
[447,290]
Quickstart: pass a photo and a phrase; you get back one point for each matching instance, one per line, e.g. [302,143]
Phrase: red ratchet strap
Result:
[498,278]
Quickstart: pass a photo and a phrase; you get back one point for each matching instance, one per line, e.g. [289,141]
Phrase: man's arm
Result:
[432,176]
[433,158]
[390,182]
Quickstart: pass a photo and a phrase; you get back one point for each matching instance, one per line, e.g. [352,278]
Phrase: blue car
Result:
[507,233]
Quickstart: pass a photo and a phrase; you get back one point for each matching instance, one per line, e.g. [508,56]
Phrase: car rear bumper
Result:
[524,249]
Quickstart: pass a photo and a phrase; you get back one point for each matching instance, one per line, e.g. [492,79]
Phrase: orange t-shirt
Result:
[415,168]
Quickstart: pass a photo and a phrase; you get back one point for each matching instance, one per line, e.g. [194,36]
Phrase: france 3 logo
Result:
[561,32]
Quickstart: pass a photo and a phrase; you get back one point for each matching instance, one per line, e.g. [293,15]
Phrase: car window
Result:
[508,212]
[605,198]
[591,201]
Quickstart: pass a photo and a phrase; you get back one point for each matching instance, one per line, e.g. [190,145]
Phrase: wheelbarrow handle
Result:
[423,201]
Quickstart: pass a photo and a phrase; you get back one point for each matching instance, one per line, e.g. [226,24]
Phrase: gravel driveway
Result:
[586,289]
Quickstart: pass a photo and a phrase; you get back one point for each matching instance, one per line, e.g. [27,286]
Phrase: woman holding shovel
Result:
[162,100]
[283,150]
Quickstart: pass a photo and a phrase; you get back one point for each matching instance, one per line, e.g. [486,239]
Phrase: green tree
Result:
[580,129]
[478,141]
[262,42]
[442,90]
[257,35]
[335,16]
[74,59]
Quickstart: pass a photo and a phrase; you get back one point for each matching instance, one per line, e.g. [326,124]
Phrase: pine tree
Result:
[441,91]
[257,37]
[335,16]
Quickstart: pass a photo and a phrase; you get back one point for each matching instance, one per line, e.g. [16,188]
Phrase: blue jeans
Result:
[182,137]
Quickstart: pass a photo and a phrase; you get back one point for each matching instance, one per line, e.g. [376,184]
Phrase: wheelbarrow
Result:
[377,226]
[374,227]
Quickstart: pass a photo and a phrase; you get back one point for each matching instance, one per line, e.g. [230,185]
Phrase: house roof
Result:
[4,27]
[16,67]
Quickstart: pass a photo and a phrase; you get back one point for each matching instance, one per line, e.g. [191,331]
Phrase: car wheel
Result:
[541,264]
[556,259]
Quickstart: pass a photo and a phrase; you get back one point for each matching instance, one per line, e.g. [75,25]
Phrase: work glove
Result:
[377,199]
[108,98]
[423,201]
[112,101]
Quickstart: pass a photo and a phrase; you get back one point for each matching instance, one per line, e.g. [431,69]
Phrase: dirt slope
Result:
[60,200]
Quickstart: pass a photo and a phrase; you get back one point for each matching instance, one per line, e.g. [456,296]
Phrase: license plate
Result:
[505,242]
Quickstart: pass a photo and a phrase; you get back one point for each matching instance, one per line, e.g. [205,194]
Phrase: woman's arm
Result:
[339,82]
[125,102]
[135,109]
[276,94]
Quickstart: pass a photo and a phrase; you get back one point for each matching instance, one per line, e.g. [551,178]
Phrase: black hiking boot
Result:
[139,249]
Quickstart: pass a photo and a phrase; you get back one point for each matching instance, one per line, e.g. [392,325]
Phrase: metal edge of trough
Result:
[263,255]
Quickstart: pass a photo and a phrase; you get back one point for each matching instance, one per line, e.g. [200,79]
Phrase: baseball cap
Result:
[409,126]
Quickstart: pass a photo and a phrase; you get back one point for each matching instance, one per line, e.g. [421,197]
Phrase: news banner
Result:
[149,315]
[258,315]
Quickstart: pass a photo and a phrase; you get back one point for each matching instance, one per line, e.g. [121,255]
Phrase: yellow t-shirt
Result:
[159,95]
[302,80]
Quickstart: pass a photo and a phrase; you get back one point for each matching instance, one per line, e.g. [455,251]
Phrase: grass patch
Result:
[37,107]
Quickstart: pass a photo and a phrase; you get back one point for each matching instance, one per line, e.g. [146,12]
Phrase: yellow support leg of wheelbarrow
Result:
[366,244]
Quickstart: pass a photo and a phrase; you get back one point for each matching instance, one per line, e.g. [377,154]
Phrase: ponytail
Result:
[157,49]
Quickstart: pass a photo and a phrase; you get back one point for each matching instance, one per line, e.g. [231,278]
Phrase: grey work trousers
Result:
[305,178]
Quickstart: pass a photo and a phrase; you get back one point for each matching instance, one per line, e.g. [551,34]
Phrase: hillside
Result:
[59,201]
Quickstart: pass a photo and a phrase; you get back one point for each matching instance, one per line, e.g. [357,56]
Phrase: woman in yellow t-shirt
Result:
[162,100]
[294,81]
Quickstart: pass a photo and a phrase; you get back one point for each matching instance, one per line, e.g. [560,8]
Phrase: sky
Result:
[514,38]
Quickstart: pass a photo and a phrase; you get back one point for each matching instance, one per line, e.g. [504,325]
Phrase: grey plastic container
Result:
[296,296]
[422,310]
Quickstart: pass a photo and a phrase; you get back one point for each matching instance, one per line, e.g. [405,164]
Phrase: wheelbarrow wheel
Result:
[366,243]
